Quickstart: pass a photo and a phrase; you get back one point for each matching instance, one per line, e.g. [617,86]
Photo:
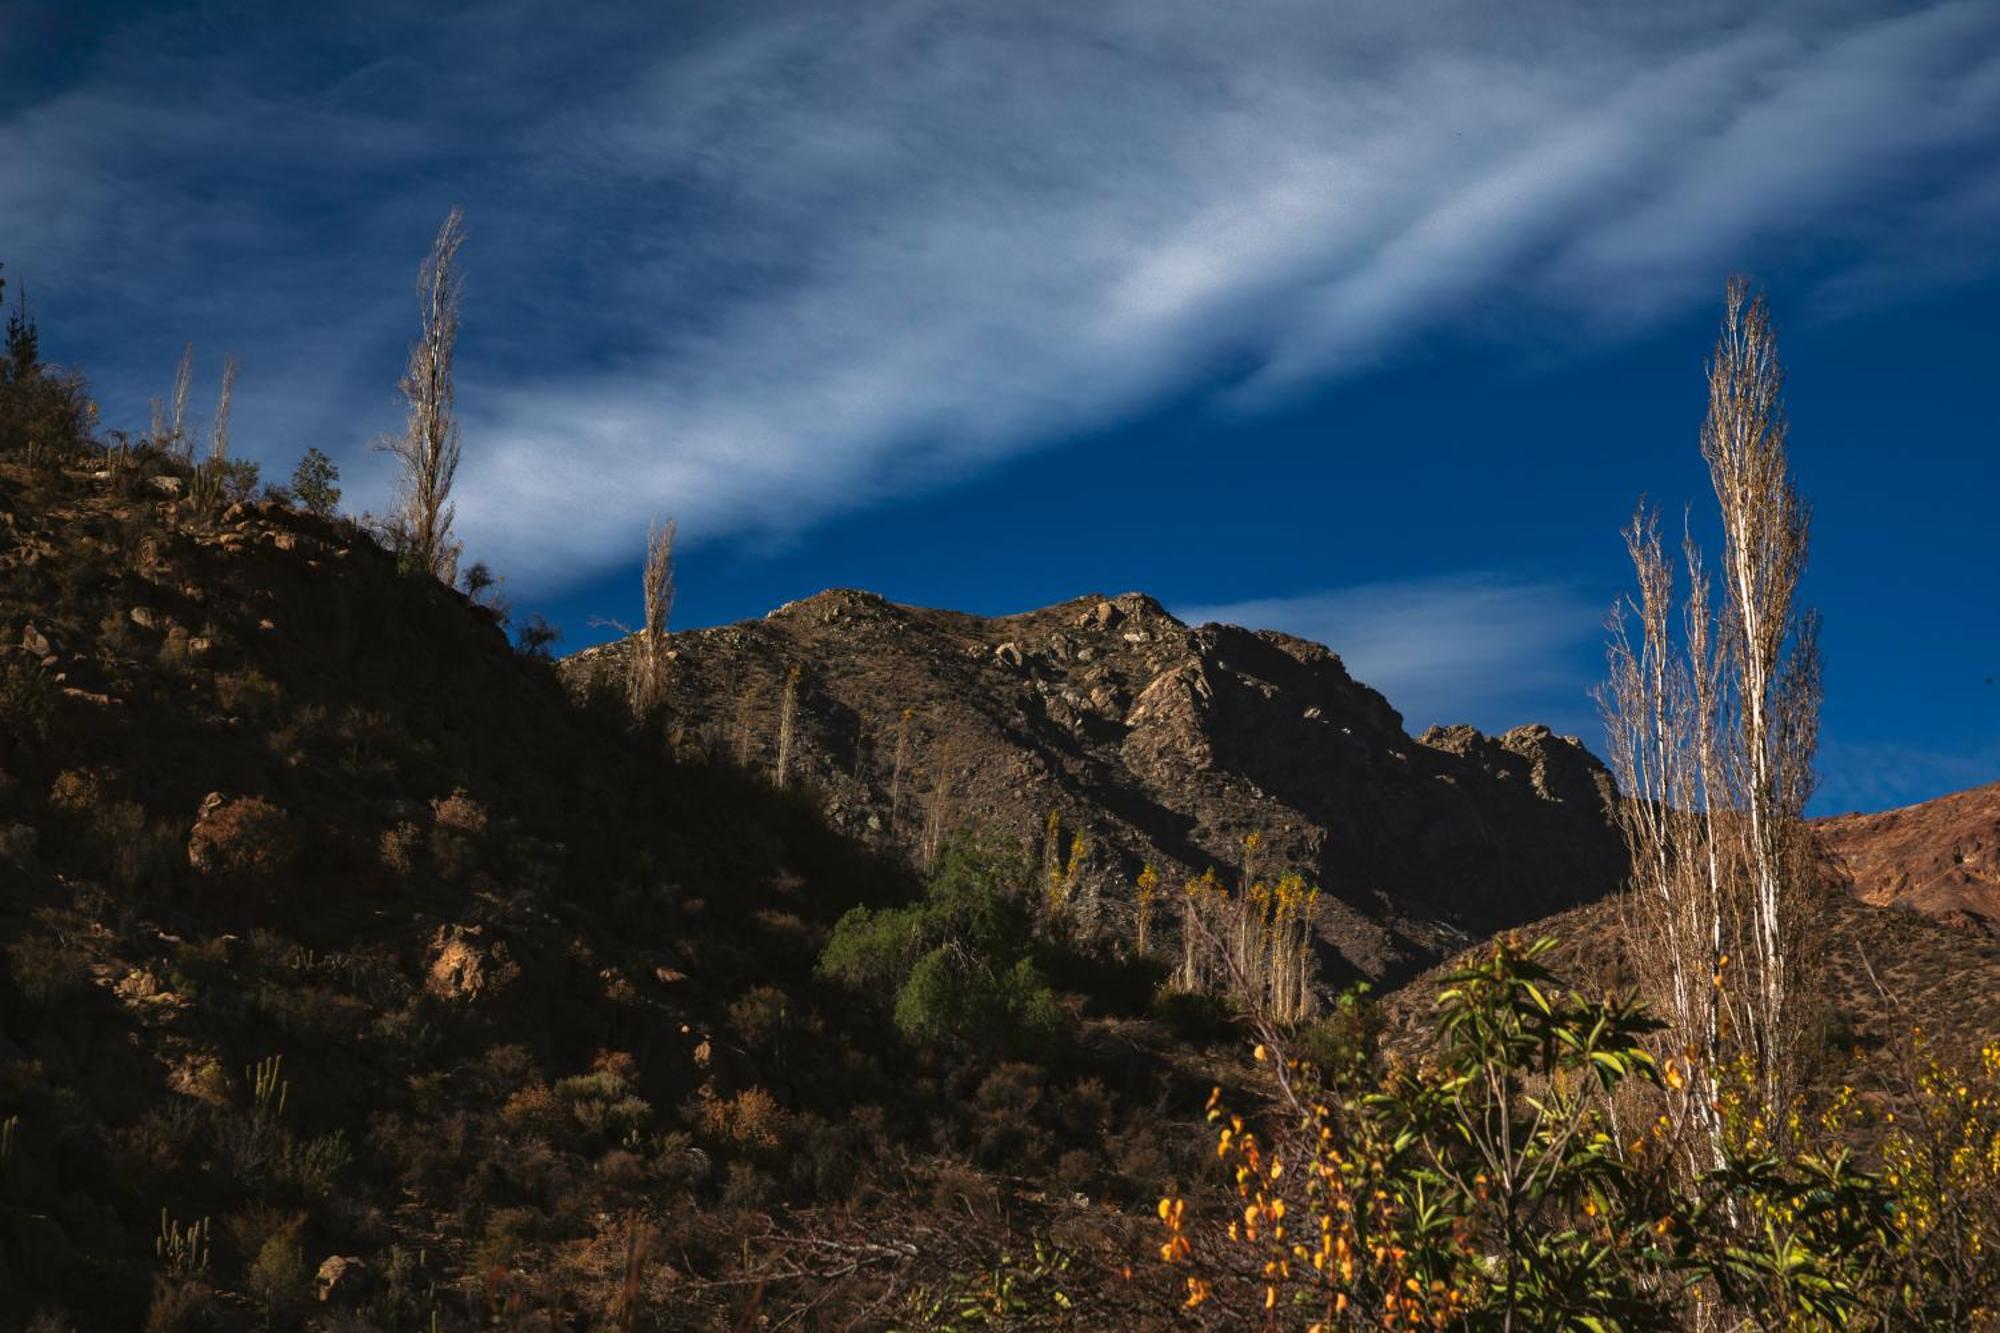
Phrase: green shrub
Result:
[960,962]
[279,1279]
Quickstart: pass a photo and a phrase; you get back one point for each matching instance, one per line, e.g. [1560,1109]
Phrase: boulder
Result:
[343,1279]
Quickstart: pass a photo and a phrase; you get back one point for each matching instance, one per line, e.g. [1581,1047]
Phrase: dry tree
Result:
[208,484]
[788,716]
[901,763]
[176,428]
[746,725]
[1771,669]
[1145,892]
[218,445]
[428,449]
[646,660]
[937,818]
[1711,712]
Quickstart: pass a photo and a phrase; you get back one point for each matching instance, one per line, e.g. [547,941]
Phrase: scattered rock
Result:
[343,1279]
[138,984]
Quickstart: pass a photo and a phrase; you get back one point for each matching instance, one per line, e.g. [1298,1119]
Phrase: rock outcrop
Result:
[1163,744]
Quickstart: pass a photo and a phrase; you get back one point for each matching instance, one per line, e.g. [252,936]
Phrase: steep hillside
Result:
[1162,744]
[1940,858]
[334,927]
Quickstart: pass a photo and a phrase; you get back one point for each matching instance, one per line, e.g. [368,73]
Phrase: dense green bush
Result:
[960,962]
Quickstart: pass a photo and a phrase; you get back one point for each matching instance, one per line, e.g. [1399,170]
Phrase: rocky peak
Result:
[1165,745]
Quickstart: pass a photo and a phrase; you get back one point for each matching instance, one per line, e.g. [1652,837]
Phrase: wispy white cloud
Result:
[775,262]
[1476,648]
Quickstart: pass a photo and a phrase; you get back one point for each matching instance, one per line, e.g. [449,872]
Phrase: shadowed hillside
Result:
[336,930]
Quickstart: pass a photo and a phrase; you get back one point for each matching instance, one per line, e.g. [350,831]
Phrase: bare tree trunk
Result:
[428,449]
[218,448]
[746,725]
[896,774]
[177,423]
[788,713]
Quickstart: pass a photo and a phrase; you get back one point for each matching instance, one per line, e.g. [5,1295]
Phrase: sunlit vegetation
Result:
[960,963]
[1252,945]
[1516,1176]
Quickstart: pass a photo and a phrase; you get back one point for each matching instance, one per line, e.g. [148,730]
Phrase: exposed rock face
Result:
[1940,858]
[1164,744]
[342,1279]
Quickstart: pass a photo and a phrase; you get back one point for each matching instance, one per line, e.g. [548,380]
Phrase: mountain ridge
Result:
[1166,745]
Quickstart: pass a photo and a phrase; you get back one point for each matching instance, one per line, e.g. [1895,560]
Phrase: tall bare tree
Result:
[646,664]
[1712,717]
[1770,652]
[428,449]
[183,385]
[788,714]
[218,445]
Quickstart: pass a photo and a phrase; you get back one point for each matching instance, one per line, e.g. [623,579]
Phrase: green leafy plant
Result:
[314,483]
[1493,1186]
[960,962]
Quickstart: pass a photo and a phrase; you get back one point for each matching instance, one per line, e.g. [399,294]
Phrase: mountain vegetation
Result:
[863,967]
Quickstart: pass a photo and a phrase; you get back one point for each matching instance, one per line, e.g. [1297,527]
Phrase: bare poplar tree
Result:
[177,421]
[646,662]
[428,448]
[746,725]
[902,761]
[1770,651]
[788,714]
[937,814]
[218,446]
[1660,723]
[1712,717]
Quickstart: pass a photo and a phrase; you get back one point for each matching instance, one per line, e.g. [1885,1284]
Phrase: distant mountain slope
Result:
[1878,974]
[1940,858]
[1166,745]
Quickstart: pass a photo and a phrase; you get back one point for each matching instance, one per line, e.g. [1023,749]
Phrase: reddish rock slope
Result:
[1940,858]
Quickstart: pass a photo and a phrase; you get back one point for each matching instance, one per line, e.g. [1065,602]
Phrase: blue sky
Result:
[1370,322]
